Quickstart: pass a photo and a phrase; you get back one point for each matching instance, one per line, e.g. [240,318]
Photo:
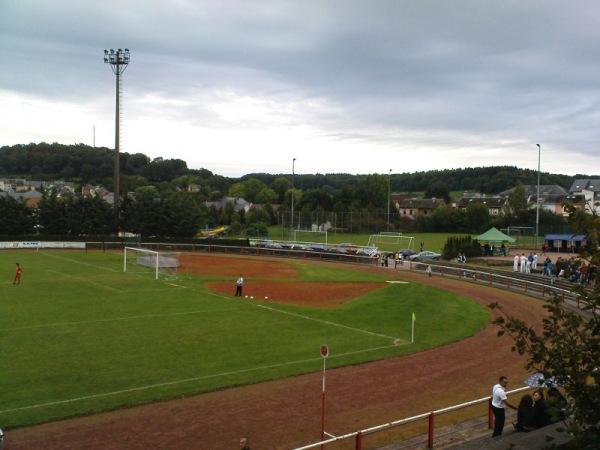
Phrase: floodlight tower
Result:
[292,221]
[389,198]
[118,61]
[537,208]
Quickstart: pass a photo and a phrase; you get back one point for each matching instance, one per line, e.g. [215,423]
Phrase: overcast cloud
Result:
[341,85]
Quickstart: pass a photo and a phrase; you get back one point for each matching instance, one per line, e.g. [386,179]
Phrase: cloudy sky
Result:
[343,86]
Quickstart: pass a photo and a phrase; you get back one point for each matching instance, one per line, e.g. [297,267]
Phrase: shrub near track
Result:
[80,336]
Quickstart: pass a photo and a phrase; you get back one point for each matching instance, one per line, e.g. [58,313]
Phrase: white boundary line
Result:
[186,380]
[358,330]
[116,319]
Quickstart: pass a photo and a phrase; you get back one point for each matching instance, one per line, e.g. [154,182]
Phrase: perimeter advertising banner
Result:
[40,244]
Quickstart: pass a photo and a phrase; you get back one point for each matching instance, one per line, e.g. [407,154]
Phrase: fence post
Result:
[430,431]
[359,440]
[490,415]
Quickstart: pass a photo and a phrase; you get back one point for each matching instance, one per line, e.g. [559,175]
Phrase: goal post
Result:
[391,238]
[159,264]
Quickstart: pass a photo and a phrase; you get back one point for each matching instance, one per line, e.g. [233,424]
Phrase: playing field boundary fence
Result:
[357,438]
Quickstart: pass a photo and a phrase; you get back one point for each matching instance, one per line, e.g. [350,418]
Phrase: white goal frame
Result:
[161,262]
[388,237]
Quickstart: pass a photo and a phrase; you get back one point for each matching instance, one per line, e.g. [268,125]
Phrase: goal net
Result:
[162,265]
[392,238]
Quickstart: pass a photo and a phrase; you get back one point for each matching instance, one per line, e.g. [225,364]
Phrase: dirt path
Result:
[287,413]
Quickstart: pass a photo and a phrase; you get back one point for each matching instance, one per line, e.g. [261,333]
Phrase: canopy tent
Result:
[494,235]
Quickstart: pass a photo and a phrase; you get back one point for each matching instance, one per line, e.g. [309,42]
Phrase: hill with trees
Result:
[163,197]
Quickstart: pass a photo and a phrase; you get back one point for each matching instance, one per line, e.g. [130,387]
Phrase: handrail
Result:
[396,423]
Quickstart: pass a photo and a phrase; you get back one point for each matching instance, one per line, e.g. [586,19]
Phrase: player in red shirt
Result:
[17,279]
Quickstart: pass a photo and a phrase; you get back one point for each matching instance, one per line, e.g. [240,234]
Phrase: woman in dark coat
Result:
[539,405]
[525,415]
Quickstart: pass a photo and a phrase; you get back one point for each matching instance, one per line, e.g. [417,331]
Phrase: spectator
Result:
[526,419]
[499,401]
[244,443]
[556,405]
[539,404]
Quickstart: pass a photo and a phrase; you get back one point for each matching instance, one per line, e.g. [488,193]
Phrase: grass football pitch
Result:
[80,336]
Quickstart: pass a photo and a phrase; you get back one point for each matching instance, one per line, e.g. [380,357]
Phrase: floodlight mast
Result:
[537,207]
[118,61]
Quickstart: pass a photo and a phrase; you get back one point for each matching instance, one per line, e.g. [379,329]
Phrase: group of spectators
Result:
[533,411]
[525,264]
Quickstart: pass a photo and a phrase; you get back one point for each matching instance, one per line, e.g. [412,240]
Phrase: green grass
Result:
[79,335]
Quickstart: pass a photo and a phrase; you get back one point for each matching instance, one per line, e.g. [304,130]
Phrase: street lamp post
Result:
[118,61]
[293,164]
[389,199]
[537,209]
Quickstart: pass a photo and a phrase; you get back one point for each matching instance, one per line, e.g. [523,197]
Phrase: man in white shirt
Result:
[238,286]
[499,401]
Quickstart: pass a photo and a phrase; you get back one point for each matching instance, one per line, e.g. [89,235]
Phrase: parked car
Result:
[406,253]
[425,255]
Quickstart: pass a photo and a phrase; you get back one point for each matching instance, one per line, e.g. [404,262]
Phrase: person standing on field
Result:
[499,402]
[238,286]
[244,443]
[17,279]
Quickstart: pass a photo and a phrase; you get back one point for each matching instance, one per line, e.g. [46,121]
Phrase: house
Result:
[494,204]
[238,204]
[411,208]
[589,189]
[552,197]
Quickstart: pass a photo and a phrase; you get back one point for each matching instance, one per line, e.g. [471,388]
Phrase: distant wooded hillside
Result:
[84,164]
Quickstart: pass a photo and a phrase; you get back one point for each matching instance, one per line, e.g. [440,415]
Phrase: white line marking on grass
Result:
[85,280]
[392,338]
[397,282]
[116,319]
[79,262]
[186,380]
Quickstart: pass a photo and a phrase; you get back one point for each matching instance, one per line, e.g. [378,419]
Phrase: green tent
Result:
[494,235]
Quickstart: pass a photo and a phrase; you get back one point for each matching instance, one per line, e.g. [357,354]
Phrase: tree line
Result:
[163,197]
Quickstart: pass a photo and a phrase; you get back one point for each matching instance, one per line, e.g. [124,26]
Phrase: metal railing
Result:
[430,416]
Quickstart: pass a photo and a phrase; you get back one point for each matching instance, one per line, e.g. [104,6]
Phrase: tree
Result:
[566,345]
[16,217]
[280,185]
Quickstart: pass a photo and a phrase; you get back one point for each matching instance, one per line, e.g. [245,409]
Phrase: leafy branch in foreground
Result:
[566,346]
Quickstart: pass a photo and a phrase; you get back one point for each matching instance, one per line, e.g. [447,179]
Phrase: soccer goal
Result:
[161,264]
[391,238]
